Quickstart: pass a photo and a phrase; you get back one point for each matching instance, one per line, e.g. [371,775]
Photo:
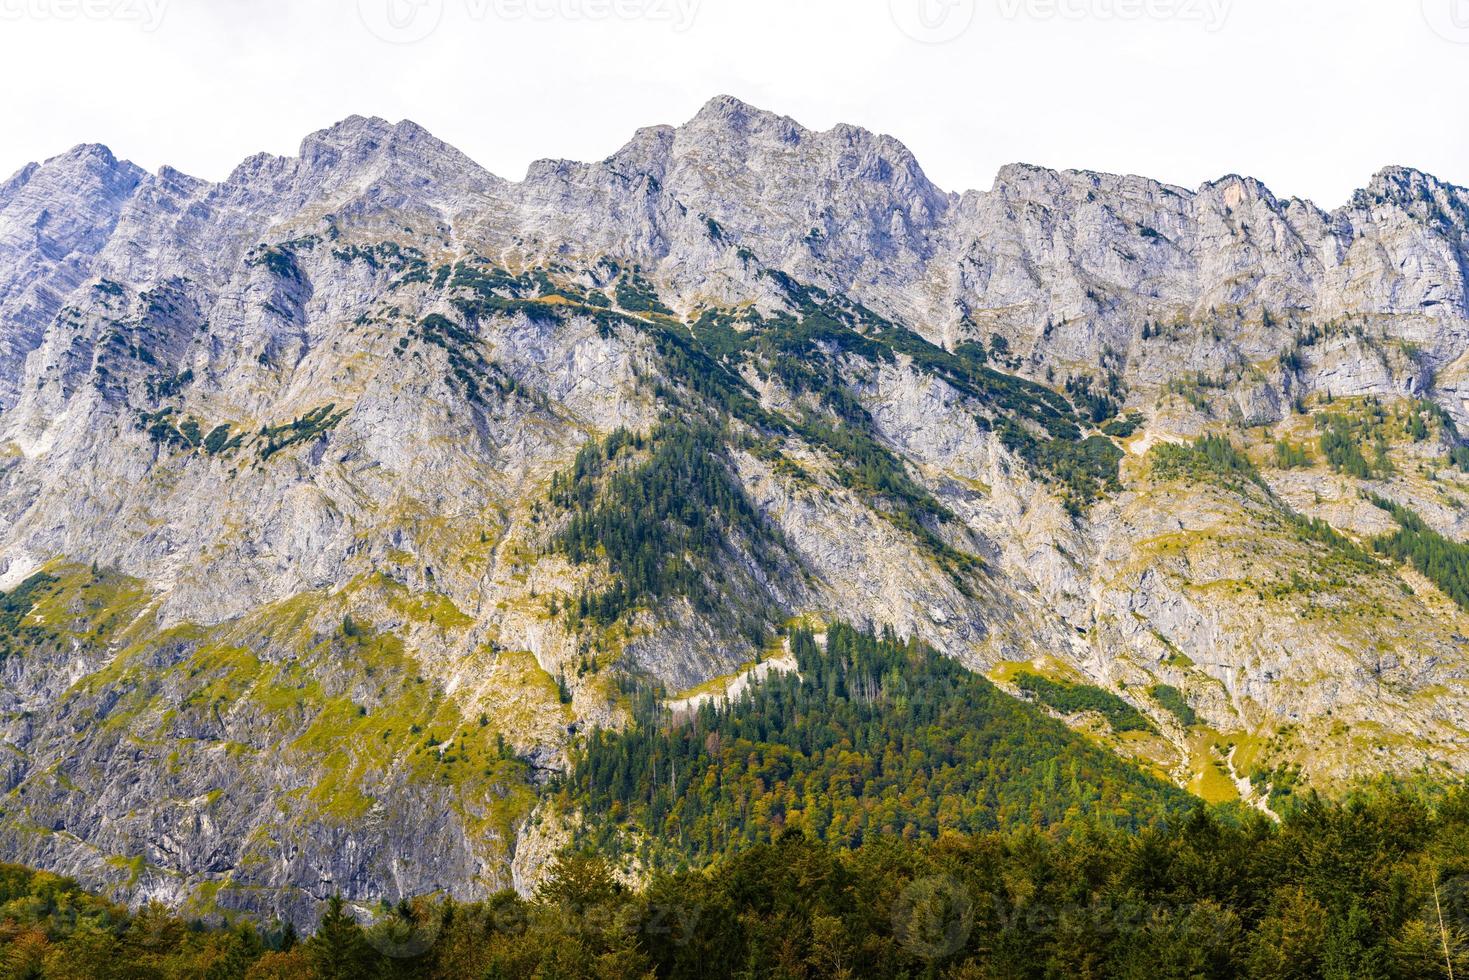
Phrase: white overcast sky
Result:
[1311,96]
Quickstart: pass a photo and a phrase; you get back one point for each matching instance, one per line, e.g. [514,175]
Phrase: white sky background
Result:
[1311,96]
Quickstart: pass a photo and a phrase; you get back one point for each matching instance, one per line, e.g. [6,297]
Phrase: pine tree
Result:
[339,950]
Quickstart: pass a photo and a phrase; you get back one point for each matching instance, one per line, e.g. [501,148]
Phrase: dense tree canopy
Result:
[1375,887]
[873,737]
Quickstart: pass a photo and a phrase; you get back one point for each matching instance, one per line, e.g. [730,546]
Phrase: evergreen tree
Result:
[339,950]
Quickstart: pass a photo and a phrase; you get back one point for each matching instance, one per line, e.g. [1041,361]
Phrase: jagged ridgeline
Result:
[869,736]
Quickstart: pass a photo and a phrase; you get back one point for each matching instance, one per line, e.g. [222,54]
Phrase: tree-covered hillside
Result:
[872,737]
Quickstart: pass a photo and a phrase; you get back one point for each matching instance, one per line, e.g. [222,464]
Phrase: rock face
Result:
[55,217]
[287,447]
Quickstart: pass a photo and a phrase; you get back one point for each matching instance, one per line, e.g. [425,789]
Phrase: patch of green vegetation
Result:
[308,427]
[303,687]
[1280,784]
[280,261]
[1194,389]
[669,519]
[161,387]
[15,635]
[167,429]
[404,261]
[1345,434]
[1214,459]
[1176,657]
[132,865]
[1123,426]
[467,362]
[1343,453]
[220,441]
[1069,698]
[1289,456]
[636,294]
[1172,699]
[1210,458]
[1443,562]
[433,608]
[1099,402]
[85,609]
[493,291]
[1313,530]
[874,737]
[1082,469]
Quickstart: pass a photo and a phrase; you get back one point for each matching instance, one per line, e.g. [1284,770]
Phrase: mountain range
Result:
[340,498]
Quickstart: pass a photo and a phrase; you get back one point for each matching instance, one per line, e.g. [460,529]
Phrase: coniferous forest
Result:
[873,737]
[1373,887]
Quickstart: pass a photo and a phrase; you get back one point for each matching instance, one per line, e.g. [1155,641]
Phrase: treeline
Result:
[51,928]
[1442,561]
[1375,888]
[873,737]
[1343,436]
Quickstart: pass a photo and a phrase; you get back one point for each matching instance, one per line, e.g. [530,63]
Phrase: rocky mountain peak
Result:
[728,116]
[1421,193]
[1396,177]
[849,150]
[16,180]
[1236,191]
[86,154]
[88,168]
[360,138]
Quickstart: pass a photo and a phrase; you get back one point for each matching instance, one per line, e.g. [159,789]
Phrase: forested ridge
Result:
[873,736]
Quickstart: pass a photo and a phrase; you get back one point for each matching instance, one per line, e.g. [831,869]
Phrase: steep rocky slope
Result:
[362,481]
